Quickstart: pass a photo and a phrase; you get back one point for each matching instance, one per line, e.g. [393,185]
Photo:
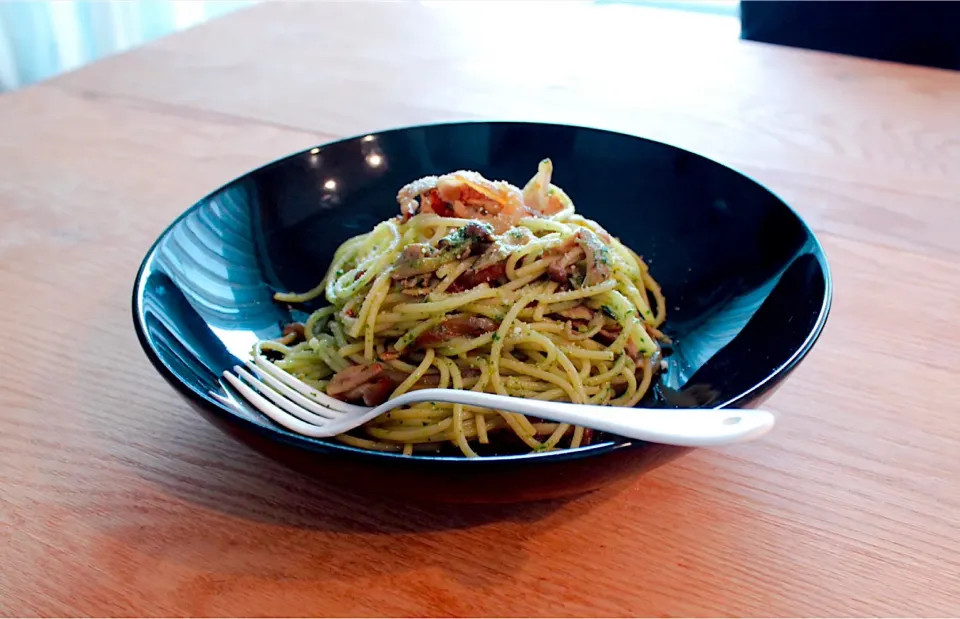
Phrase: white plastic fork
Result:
[302,409]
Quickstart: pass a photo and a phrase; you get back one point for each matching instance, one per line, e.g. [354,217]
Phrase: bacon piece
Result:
[432,379]
[295,329]
[418,285]
[559,270]
[459,326]
[412,261]
[657,334]
[471,239]
[579,312]
[574,329]
[351,377]
[490,266]
[472,279]
[473,232]
[619,386]
[492,254]
[389,355]
[607,335]
[598,257]
[373,393]
[420,258]
[378,384]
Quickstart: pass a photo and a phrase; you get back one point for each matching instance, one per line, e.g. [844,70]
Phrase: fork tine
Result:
[309,392]
[280,400]
[273,412]
[292,394]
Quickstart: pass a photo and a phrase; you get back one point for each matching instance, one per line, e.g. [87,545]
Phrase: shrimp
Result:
[471,196]
[468,195]
[408,194]
[547,199]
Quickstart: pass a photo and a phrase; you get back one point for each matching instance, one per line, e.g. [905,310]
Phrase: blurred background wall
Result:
[41,38]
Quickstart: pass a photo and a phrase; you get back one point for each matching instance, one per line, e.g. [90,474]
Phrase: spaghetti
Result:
[483,286]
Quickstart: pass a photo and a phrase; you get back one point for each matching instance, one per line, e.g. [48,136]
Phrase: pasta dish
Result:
[478,285]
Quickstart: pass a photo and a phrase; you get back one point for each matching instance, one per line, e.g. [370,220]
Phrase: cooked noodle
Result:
[478,285]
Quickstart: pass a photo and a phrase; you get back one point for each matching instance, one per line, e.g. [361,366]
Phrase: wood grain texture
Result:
[115,499]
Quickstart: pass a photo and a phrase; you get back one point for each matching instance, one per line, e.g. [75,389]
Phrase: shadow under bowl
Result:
[747,285]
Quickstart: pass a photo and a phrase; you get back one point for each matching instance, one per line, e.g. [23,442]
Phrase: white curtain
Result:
[41,38]
[717,7]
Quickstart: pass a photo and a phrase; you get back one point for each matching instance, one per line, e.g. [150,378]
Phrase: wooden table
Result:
[115,499]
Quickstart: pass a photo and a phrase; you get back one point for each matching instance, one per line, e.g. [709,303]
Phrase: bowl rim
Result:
[276,433]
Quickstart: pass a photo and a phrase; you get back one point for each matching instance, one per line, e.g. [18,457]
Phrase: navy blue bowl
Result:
[747,285]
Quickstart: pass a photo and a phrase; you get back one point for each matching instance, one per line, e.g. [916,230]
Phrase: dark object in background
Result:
[922,33]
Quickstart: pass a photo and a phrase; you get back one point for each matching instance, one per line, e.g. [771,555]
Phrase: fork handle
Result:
[703,427]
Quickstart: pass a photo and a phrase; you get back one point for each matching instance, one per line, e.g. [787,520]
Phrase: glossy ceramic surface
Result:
[747,284]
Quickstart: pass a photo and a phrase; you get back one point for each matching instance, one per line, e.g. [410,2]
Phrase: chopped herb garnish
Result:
[606,309]
[601,256]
